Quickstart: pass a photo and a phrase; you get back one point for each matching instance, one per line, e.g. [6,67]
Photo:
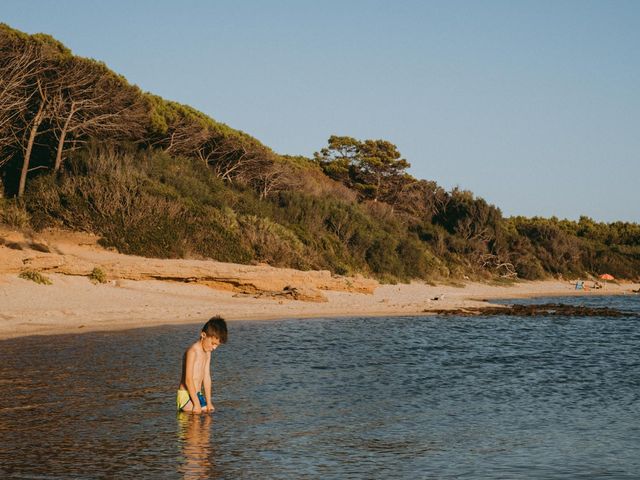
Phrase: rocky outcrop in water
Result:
[540,310]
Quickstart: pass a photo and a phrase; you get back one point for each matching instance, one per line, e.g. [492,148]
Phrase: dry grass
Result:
[36,277]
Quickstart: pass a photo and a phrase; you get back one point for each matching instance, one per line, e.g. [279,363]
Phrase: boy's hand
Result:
[209,409]
[196,410]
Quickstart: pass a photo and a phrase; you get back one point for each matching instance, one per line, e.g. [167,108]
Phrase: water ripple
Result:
[420,397]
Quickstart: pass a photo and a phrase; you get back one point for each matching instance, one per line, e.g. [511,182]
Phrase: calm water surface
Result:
[421,397]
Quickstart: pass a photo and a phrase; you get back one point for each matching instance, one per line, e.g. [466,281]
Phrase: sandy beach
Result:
[142,292]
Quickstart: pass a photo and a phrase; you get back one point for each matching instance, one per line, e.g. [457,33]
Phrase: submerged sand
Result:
[142,292]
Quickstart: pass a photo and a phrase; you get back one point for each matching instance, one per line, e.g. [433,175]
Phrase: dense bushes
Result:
[147,202]
[116,195]
[563,247]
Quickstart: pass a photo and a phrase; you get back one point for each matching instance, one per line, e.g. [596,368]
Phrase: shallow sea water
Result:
[412,397]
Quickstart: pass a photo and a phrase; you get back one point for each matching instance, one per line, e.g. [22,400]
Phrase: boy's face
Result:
[209,344]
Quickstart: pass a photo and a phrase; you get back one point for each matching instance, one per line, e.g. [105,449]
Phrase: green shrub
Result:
[98,275]
[272,243]
[529,268]
[383,259]
[35,277]
[417,260]
[13,214]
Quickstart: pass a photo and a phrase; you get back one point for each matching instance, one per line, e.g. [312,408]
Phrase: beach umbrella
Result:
[606,277]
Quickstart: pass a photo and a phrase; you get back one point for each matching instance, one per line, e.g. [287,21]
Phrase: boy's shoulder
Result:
[196,348]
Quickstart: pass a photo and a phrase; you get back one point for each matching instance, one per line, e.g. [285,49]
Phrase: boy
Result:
[196,368]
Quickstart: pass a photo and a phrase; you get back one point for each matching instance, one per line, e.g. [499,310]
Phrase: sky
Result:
[532,105]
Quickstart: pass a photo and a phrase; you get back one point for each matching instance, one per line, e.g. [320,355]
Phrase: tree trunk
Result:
[27,154]
[63,135]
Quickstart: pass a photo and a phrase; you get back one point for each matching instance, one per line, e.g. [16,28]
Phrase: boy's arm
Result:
[207,383]
[190,361]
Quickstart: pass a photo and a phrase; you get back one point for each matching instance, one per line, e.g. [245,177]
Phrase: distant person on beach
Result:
[196,368]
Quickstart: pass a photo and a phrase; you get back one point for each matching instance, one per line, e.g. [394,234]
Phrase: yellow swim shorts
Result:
[182,398]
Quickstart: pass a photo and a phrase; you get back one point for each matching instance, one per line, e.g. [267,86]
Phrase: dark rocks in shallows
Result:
[546,309]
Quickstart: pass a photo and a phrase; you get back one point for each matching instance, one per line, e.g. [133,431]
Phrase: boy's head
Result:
[214,332]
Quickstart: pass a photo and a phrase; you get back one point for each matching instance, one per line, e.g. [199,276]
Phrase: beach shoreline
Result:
[75,305]
[142,292]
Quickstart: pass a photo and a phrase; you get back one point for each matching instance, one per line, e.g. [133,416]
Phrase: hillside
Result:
[84,150]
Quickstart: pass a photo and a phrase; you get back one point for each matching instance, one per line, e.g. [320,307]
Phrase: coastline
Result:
[75,305]
[142,292]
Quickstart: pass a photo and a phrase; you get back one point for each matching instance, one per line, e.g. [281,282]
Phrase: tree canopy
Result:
[375,168]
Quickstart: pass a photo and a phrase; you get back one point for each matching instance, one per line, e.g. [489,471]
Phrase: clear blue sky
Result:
[532,105]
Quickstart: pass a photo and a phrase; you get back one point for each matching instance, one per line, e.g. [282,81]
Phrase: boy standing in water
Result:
[196,368]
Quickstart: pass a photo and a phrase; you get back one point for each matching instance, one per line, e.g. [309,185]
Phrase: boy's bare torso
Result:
[199,365]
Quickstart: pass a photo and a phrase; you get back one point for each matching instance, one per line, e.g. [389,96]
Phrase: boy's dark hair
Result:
[216,327]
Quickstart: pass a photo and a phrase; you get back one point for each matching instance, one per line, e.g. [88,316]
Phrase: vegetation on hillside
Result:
[81,148]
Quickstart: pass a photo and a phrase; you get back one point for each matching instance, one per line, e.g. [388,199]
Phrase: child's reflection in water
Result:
[194,434]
